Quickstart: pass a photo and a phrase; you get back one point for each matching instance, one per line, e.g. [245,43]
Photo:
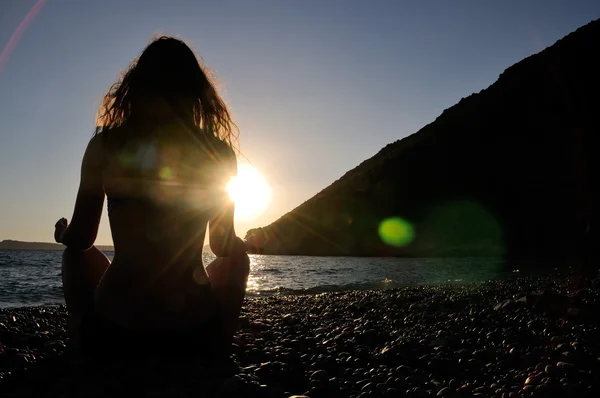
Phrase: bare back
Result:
[164,185]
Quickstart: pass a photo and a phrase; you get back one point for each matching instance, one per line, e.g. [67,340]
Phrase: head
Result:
[167,77]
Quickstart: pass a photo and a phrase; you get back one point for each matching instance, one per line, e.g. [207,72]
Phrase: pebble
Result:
[319,375]
[348,344]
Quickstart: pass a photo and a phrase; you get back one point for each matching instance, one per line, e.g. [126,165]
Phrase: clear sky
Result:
[315,86]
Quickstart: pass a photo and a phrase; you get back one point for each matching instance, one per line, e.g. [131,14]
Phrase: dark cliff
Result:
[511,170]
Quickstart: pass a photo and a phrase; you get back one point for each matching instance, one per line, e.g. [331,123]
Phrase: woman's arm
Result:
[82,231]
[222,237]
[221,231]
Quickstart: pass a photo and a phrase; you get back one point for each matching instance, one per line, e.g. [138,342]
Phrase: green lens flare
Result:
[397,232]
[166,173]
[127,160]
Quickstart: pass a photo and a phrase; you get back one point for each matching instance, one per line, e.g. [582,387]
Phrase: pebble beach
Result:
[527,336]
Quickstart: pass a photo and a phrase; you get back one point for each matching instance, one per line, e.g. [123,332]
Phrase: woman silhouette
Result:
[162,155]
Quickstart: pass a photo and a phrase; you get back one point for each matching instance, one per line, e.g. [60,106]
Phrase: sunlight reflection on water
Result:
[290,274]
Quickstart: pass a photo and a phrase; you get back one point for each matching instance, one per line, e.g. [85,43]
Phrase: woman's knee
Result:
[241,264]
[227,270]
[70,260]
[84,265]
[245,260]
[71,254]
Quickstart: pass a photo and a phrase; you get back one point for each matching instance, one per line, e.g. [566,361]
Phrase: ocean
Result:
[33,277]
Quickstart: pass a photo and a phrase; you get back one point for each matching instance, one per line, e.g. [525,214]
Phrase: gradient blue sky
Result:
[315,86]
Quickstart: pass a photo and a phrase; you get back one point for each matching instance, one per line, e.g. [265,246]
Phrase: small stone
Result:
[391,393]
[505,305]
[368,387]
[530,380]
[475,364]
[539,367]
[319,375]
[566,366]
[522,300]
[381,388]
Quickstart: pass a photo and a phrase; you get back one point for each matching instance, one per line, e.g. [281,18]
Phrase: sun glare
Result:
[250,192]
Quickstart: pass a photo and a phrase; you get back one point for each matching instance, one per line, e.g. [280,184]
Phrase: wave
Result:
[283,291]
[385,284]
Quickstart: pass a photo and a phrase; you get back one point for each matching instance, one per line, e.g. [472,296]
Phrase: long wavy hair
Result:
[168,70]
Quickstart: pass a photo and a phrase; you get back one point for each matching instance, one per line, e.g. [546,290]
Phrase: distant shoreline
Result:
[8,244]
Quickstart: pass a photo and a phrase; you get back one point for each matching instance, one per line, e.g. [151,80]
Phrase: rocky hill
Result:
[507,171]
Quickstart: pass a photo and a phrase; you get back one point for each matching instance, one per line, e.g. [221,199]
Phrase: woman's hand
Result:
[59,228]
[239,246]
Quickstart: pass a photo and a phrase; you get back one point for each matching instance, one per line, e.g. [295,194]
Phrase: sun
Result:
[250,192]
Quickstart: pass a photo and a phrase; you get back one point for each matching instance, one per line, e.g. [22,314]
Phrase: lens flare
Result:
[166,173]
[250,192]
[395,231]
[16,36]
[463,226]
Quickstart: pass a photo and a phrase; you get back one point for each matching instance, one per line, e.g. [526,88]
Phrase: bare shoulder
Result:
[94,153]
[105,142]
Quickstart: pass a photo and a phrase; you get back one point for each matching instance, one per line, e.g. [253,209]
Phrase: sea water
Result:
[33,277]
